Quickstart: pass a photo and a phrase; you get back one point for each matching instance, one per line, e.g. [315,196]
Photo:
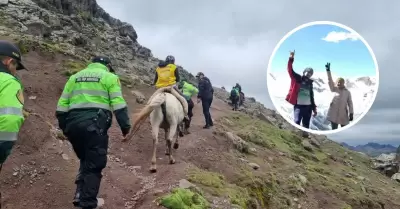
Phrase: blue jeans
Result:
[302,114]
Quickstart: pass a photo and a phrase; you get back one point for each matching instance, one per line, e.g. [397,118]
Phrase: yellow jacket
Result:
[166,75]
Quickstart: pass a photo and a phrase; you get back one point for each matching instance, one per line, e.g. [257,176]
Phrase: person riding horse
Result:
[167,74]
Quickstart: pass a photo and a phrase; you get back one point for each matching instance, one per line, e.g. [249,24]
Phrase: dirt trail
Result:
[41,170]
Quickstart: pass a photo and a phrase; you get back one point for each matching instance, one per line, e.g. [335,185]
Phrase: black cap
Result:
[10,50]
[105,61]
[199,74]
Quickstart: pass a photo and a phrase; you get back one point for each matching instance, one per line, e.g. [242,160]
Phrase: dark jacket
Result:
[206,90]
[295,83]
[162,63]
[239,88]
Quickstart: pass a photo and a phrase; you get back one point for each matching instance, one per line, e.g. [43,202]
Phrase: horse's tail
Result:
[156,101]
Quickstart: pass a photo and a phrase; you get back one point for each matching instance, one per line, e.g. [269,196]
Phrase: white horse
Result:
[171,122]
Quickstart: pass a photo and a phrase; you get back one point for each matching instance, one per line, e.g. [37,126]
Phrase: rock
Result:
[349,175]
[238,142]
[140,98]
[363,189]
[307,146]
[143,52]
[361,178]
[128,30]
[3,2]
[100,202]
[65,156]
[302,179]
[157,192]
[315,143]
[396,177]
[38,28]
[184,184]
[32,97]
[385,157]
[254,166]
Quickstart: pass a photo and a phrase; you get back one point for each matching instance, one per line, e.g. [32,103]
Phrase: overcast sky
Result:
[231,41]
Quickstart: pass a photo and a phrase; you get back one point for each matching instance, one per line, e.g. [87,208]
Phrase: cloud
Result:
[231,41]
[336,37]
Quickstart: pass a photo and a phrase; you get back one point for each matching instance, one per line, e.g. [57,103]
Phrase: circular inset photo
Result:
[322,77]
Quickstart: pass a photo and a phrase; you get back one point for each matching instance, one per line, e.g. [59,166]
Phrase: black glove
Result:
[351,117]
[328,66]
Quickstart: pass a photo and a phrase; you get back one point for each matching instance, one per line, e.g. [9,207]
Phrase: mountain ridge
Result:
[372,149]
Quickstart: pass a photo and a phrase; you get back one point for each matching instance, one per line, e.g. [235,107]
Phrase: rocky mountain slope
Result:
[362,91]
[251,159]
[372,149]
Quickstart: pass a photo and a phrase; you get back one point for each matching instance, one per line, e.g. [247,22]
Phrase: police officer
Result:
[11,99]
[84,115]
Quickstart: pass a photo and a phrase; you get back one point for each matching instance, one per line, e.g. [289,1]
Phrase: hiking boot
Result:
[305,134]
[206,127]
[76,201]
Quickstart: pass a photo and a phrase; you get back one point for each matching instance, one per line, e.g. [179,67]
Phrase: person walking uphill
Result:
[234,97]
[338,112]
[301,94]
[205,95]
[84,114]
[188,90]
[11,99]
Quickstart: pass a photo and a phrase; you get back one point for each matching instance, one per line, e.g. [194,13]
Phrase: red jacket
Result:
[295,81]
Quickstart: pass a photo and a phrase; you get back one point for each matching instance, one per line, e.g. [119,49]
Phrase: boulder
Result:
[128,30]
[3,2]
[38,28]
[140,98]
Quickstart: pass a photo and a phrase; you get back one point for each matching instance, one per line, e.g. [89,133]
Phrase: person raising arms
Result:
[301,94]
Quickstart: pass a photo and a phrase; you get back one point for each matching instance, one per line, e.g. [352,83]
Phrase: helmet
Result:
[237,84]
[105,61]
[170,59]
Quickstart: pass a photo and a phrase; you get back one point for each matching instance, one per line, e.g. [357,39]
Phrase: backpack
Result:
[233,93]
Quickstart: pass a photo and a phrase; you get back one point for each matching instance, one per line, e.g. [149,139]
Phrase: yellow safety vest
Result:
[166,76]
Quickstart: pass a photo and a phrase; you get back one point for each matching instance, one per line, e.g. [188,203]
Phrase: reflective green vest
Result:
[93,87]
[188,90]
[11,105]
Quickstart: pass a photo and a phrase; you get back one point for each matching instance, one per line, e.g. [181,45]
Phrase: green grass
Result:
[184,199]
[362,189]
[73,66]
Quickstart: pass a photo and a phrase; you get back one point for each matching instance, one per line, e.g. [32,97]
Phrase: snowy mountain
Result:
[362,91]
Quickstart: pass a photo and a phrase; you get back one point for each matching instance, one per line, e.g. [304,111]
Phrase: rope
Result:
[136,130]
